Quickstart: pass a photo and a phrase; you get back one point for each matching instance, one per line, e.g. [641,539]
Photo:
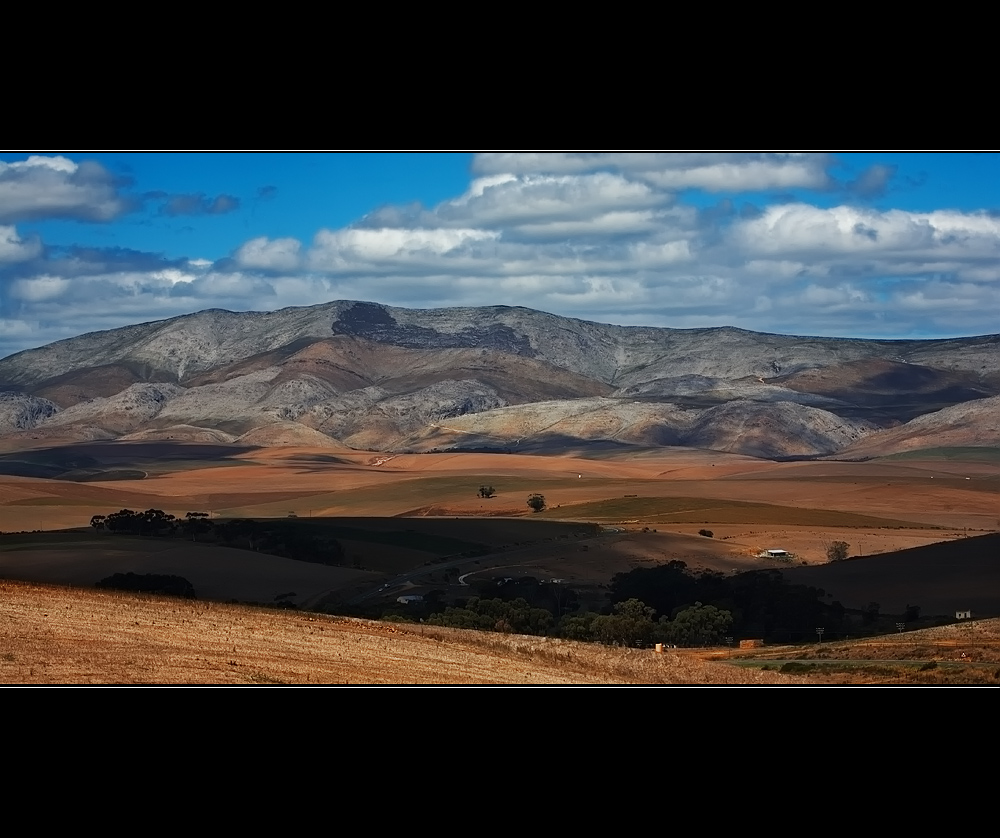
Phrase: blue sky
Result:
[873,244]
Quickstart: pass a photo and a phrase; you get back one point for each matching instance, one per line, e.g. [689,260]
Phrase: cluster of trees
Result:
[663,604]
[288,538]
[633,623]
[761,603]
[151,522]
[630,623]
[514,616]
[528,606]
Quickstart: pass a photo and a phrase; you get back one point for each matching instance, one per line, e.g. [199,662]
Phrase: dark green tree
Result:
[629,624]
[536,502]
[196,523]
[698,625]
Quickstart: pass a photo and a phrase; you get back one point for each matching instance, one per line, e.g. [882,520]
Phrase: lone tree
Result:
[536,502]
[837,551]
[487,491]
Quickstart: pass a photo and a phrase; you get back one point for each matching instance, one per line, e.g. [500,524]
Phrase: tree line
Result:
[279,537]
[665,604]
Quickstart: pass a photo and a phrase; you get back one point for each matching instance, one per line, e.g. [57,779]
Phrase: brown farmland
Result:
[604,515]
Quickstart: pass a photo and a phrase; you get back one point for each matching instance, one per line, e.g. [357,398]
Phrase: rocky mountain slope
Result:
[382,378]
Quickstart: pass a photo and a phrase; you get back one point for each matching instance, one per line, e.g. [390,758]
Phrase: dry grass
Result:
[54,635]
[962,654]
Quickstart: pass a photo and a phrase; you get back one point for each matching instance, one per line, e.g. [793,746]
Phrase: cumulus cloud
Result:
[601,237]
[359,249]
[39,288]
[850,233]
[266,254]
[56,187]
[15,249]
[509,201]
[712,171]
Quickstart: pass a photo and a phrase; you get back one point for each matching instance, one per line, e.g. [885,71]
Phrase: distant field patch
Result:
[402,495]
[966,454]
[50,501]
[704,510]
[93,476]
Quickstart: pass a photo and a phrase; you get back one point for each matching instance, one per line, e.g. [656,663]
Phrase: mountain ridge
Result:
[384,377]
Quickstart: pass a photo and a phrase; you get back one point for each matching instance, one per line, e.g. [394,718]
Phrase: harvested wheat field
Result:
[52,635]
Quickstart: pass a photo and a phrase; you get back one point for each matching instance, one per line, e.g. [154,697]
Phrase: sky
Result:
[845,244]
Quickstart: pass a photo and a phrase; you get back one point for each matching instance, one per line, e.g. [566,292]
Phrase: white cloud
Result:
[171,276]
[16,329]
[713,171]
[608,224]
[15,249]
[801,229]
[749,176]
[363,249]
[35,161]
[270,254]
[508,201]
[56,187]
[652,255]
[39,288]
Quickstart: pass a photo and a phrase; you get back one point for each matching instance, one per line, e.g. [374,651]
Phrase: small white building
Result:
[775,554]
[408,598]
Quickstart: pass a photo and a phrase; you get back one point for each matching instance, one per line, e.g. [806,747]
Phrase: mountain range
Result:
[374,377]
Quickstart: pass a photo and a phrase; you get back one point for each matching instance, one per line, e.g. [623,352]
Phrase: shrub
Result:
[837,551]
